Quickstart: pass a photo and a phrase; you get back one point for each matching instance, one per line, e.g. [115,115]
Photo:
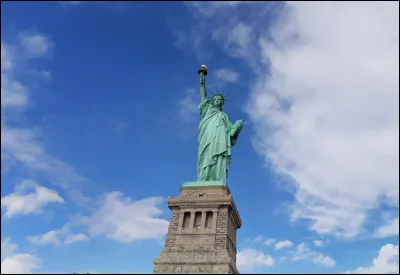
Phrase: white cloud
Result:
[323,260]
[188,106]
[57,237]
[8,248]
[250,258]
[283,244]
[6,58]
[35,45]
[318,243]
[391,228]
[268,242]
[6,162]
[387,262]
[304,253]
[325,102]
[219,21]
[238,42]
[41,75]
[339,138]
[13,93]
[124,220]
[212,7]
[226,75]
[51,237]
[282,259]
[76,238]
[259,238]
[21,144]
[70,3]
[20,203]
[16,263]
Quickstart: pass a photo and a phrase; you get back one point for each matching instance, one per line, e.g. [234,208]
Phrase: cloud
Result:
[76,238]
[259,238]
[20,203]
[304,253]
[121,219]
[283,244]
[188,106]
[115,216]
[16,263]
[31,46]
[324,103]
[212,8]
[7,248]
[387,262]
[35,45]
[250,258]
[6,62]
[70,3]
[58,237]
[268,242]
[391,228]
[318,243]
[51,237]
[323,260]
[62,236]
[226,75]
[219,22]
[13,94]
[238,42]
[338,139]
[21,144]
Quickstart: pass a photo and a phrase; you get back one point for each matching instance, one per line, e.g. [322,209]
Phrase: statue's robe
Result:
[215,138]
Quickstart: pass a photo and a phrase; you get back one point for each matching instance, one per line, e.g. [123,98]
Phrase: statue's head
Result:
[218,101]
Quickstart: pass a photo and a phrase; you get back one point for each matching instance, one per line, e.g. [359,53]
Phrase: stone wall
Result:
[196,249]
[196,242]
[221,240]
[172,229]
[192,269]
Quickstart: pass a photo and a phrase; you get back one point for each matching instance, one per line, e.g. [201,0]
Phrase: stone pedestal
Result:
[201,237]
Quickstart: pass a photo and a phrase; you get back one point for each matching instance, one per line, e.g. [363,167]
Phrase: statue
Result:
[216,136]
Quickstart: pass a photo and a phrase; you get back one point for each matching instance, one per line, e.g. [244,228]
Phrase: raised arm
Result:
[202,74]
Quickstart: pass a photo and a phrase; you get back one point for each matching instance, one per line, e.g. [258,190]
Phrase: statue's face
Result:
[218,101]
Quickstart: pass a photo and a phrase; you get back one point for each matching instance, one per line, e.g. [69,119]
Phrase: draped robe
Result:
[216,137]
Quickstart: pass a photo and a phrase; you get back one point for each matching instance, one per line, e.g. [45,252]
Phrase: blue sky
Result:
[99,126]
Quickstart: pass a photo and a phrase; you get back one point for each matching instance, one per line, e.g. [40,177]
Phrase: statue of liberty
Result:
[216,136]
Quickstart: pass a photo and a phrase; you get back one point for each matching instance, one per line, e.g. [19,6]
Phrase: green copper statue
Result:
[216,136]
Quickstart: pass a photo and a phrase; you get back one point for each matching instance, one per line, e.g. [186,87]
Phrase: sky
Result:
[99,127]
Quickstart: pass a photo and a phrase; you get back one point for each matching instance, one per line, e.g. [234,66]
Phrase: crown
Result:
[220,94]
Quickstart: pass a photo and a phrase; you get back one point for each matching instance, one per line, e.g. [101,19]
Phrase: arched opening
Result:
[186,220]
[197,220]
[209,218]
